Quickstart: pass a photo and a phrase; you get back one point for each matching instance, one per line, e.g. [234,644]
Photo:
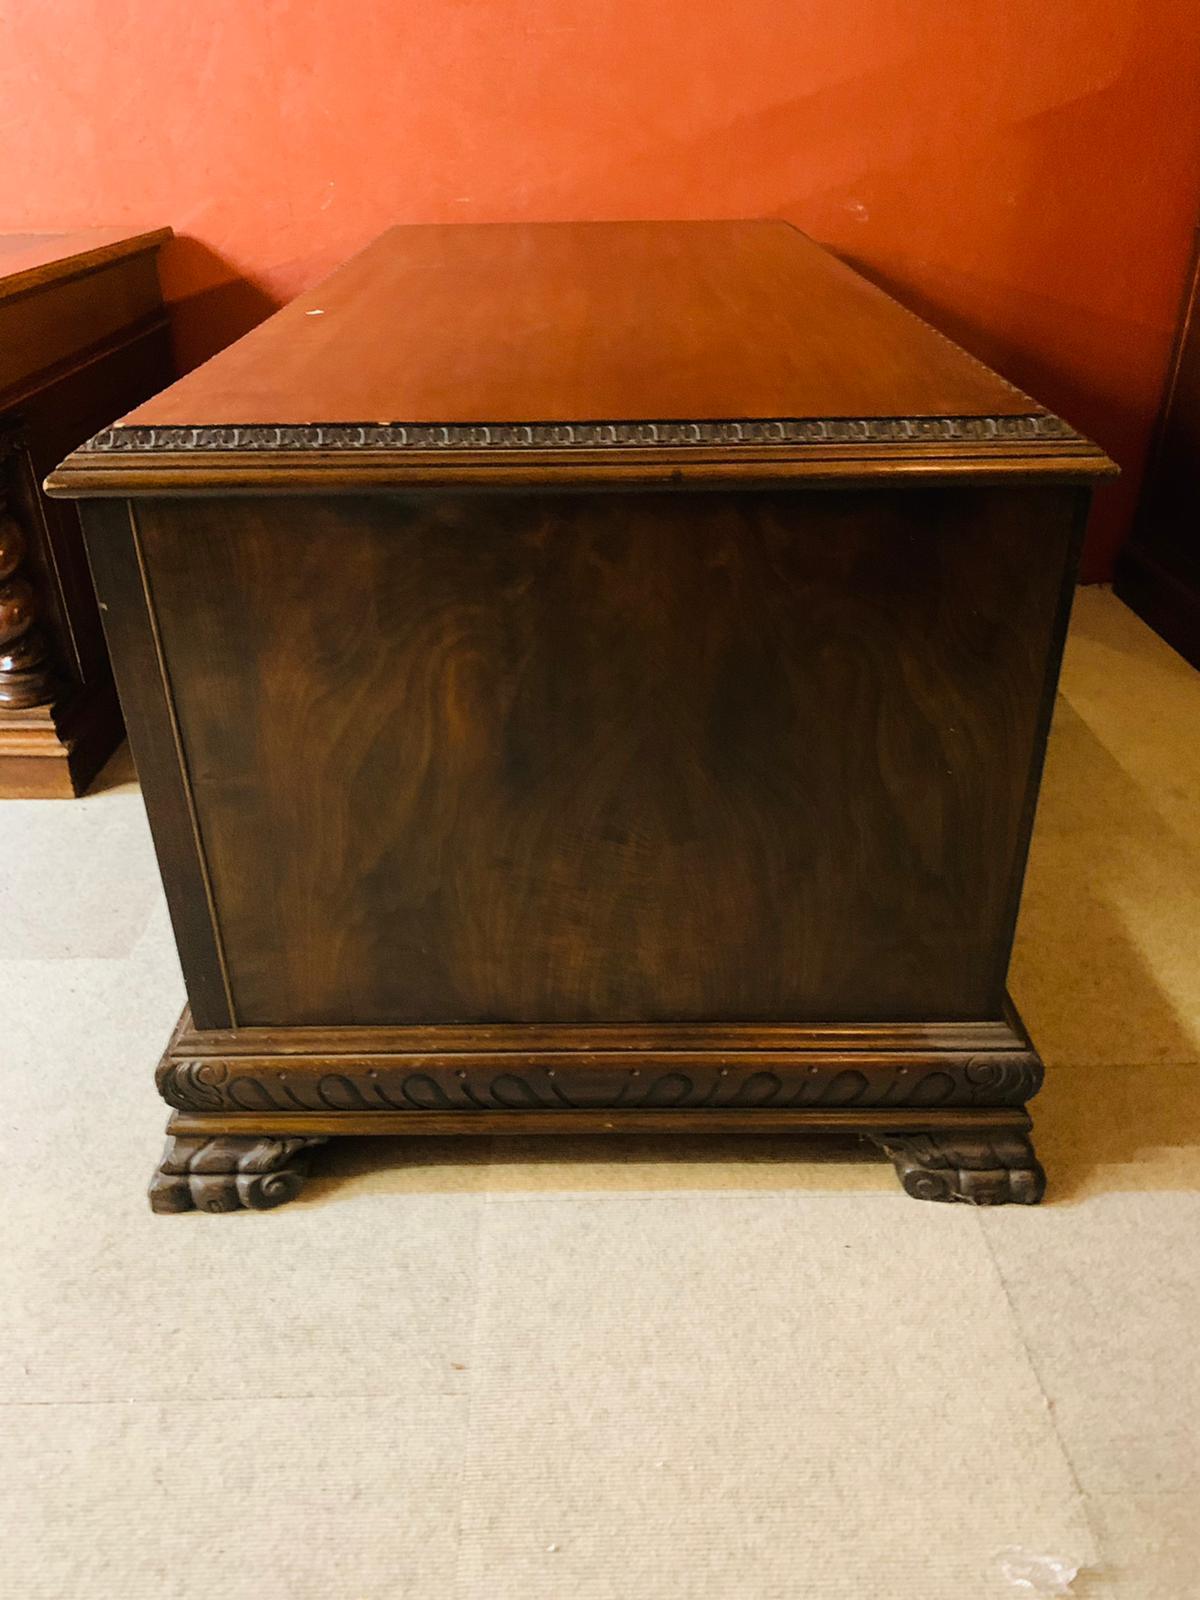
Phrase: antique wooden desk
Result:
[590,677]
[83,336]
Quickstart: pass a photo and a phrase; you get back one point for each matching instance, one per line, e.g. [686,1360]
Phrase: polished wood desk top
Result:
[30,260]
[602,344]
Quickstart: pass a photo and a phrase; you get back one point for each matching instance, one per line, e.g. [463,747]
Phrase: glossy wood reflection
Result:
[584,758]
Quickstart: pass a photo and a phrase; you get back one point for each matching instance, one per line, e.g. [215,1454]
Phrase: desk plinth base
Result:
[946,1101]
[54,752]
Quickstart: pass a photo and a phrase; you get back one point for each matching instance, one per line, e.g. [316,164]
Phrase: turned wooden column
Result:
[26,676]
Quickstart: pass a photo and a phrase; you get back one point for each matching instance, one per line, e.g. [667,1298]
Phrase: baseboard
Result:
[54,752]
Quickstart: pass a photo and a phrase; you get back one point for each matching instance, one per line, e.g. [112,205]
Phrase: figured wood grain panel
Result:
[575,758]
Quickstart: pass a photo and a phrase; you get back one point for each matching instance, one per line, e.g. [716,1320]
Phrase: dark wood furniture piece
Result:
[83,337]
[1158,571]
[590,677]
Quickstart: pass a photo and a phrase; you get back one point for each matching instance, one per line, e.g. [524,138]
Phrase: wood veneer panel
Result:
[131,624]
[574,758]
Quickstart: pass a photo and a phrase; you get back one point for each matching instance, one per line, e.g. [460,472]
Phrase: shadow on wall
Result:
[210,303]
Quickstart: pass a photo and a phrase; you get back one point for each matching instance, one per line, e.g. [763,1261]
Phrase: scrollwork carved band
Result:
[209,1084]
[1027,427]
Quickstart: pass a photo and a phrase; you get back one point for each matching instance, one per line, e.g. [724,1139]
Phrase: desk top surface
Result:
[586,322]
[530,339]
[32,260]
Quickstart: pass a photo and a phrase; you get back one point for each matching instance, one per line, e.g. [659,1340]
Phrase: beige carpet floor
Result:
[648,1372]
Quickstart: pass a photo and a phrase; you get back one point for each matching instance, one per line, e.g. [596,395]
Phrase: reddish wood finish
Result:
[32,260]
[488,783]
[570,322]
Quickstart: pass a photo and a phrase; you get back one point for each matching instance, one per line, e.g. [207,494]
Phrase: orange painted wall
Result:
[1027,174]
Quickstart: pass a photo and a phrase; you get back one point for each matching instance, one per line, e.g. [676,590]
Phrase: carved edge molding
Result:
[980,1169]
[229,1173]
[1024,428]
[210,1084]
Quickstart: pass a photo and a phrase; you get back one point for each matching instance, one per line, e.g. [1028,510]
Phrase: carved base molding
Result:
[614,1067]
[229,1173]
[983,1168]
[945,1100]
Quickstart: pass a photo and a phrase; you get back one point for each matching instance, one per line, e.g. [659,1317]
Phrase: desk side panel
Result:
[602,758]
[131,626]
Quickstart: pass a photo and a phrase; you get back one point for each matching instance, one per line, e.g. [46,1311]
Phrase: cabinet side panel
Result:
[581,757]
[1046,649]
[131,629]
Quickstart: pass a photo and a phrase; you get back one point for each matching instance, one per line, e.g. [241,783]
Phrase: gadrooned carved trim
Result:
[211,1084]
[1035,427]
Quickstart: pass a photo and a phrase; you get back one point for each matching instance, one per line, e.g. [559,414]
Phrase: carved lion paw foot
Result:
[229,1172]
[983,1169]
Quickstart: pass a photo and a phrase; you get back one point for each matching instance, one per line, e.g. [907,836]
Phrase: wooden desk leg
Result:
[992,1167]
[228,1172]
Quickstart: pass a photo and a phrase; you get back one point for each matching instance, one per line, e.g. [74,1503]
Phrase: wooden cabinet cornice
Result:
[590,676]
[83,336]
